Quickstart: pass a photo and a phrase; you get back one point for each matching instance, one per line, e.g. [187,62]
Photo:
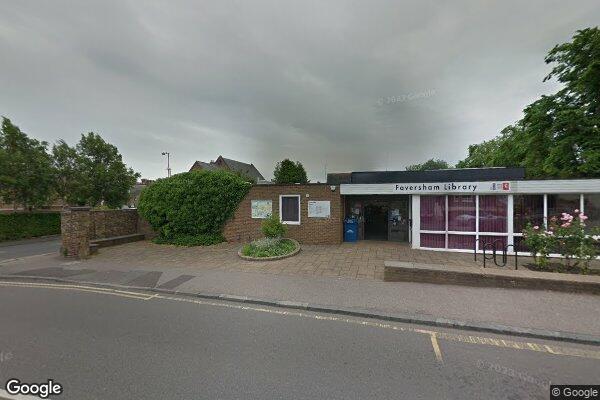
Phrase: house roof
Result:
[243,168]
[203,165]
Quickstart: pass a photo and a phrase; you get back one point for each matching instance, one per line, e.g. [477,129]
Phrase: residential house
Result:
[244,169]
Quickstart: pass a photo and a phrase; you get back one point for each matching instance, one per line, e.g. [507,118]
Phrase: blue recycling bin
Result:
[350,230]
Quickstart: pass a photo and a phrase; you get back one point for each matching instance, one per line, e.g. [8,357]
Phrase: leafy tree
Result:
[94,172]
[429,165]
[66,172]
[26,167]
[559,134]
[287,171]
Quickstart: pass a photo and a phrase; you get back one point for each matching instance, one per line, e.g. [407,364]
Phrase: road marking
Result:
[486,341]
[436,348]
[90,289]
[434,335]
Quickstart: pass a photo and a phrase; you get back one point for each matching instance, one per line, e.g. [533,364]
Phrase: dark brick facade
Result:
[242,227]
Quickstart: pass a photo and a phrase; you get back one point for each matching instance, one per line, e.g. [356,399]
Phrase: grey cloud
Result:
[263,80]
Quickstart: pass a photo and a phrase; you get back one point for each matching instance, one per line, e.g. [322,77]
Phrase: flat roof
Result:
[440,175]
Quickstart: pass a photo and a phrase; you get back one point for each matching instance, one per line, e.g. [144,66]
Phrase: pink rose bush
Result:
[566,235]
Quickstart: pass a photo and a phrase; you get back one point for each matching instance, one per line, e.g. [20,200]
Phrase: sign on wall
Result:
[261,208]
[319,209]
[449,187]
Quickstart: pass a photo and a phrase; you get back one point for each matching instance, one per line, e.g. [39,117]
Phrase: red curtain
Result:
[433,213]
[433,240]
[461,242]
[461,213]
[493,212]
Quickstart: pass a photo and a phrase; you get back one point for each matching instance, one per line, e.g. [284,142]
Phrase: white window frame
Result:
[281,196]
[510,234]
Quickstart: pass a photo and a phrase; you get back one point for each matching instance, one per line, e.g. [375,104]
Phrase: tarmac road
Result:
[29,247]
[107,344]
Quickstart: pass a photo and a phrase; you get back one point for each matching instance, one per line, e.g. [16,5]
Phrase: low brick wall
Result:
[81,225]
[243,228]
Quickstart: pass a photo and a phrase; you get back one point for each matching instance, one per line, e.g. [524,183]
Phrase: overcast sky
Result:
[354,86]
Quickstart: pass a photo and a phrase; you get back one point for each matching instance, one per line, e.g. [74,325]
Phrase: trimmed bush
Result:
[190,209]
[27,225]
[273,228]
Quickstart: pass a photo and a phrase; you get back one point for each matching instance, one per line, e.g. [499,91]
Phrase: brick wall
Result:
[242,227]
[76,226]
[111,223]
[80,225]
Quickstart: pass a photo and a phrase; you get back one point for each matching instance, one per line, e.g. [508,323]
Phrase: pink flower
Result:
[583,217]
[576,210]
[566,217]
[566,225]
[536,227]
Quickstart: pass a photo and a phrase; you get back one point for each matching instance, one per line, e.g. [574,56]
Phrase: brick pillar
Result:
[75,228]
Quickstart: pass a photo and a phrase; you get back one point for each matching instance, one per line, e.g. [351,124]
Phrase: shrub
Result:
[565,235]
[26,225]
[268,247]
[540,242]
[273,228]
[574,243]
[191,208]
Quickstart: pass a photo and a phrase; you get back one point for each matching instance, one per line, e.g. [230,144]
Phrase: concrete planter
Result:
[293,253]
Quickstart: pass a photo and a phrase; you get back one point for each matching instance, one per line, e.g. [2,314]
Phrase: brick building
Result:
[449,210]
[313,213]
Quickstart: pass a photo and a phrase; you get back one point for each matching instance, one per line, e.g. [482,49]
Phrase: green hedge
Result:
[190,209]
[26,225]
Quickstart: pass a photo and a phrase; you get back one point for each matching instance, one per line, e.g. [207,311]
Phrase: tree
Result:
[559,134]
[287,171]
[94,173]
[26,167]
[429,165]
[66,172]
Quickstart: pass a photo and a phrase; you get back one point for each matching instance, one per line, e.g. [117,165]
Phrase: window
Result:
[528,209]
[289,209]
[433,213]
[461,242]
[433,240]
[493,213]
[461,213]
[560,203]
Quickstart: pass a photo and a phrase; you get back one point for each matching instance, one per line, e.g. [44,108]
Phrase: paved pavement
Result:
[362,260]
[29,247]
[110,345]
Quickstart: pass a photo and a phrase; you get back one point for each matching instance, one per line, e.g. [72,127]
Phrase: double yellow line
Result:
[435,336]
[89,289]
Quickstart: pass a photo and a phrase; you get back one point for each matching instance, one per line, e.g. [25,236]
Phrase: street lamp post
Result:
[166,153]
